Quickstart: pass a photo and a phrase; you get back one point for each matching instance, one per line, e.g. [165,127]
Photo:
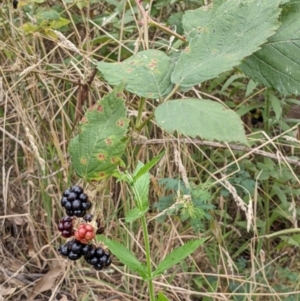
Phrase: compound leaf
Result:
[277,64]
[146,74]
[96,151]
[220,37]
[201,117]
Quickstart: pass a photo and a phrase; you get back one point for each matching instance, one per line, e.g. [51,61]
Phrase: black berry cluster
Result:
[75,201]
[95,256]
[83,231]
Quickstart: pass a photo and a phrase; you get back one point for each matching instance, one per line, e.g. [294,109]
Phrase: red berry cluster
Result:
[82,230]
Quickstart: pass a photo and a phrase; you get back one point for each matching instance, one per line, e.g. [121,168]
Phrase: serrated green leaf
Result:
[141,186]
[177,255]
[135,214]
[146,168]
[146,74]
[220,38]
[201,117]
[125,256]
[277,64]
[96,151]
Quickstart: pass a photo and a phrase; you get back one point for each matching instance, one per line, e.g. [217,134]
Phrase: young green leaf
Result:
[146,74]
[135,213]
[220,37]
[177,255]
[96,151]
[124,255]
[141,187]
[277,64]
[161,297]
[146,168]
[201,117]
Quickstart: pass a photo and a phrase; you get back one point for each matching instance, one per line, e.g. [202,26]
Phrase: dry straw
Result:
[35,150]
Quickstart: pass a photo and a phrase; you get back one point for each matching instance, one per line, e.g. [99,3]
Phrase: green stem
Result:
[138,128]
[139,204]
[148,257]
[266,186]
[140,112]
[175,89]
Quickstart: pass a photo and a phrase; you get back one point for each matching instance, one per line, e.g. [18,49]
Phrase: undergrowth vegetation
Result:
[226,201]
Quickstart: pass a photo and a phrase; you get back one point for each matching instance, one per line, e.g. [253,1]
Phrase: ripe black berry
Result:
[75,201]
[15,4]
[98,258]
[76,247]
[66,192]
[76,189]
[86,249]
[86,205]
[76,204]
[72,196]
[68,205]
[88,218]
[72,249]
[83,197]
[73,256]
[63,250]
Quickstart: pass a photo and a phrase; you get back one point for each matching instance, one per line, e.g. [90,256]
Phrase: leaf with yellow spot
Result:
[97,150]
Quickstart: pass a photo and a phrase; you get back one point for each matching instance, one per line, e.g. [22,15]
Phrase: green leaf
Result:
[48,15]
[201,117]
[59,23]
[277,64]
[220,38]
[96,151]
[177,255]
[276,105]
[146,74]
[135,214]
[161,297]
[30,28]
[124,255]
[141,186]
[146,168]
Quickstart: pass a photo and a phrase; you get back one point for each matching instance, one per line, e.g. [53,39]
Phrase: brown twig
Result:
[156,24]
[82,95]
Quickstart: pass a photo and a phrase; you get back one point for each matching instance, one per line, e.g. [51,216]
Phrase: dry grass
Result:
[39,108]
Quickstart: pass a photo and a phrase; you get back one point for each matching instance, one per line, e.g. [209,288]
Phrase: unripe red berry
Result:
[84,233]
